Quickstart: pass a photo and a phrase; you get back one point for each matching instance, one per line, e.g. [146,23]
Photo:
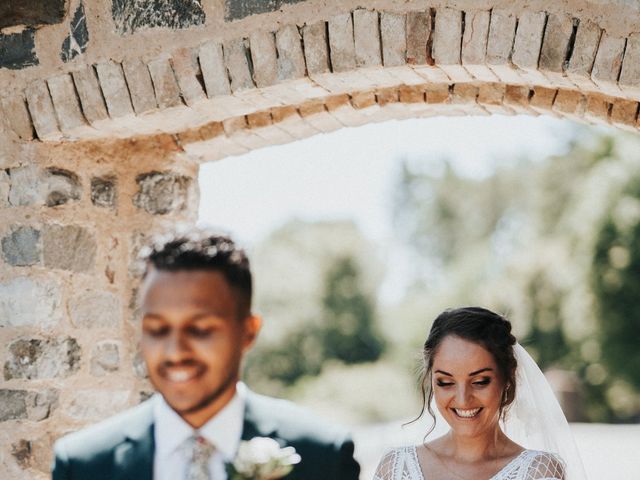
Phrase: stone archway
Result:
[107,112]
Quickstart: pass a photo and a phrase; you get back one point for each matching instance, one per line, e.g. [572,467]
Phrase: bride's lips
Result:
[466,413]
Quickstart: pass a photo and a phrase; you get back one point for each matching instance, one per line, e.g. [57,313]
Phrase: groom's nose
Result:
[176,347]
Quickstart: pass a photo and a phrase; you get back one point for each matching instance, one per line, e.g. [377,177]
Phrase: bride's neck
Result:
[489,445]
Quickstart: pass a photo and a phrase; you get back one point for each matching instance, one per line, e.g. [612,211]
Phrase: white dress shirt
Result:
[171,433]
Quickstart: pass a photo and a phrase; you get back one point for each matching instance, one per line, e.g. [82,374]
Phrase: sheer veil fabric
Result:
[535,419]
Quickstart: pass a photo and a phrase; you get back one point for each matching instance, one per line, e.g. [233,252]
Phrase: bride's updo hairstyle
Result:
[478,325]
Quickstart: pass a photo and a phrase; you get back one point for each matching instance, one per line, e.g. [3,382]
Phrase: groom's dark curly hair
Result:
[477,325]
[202,249]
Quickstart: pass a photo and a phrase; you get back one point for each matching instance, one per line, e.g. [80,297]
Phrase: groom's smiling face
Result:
[193,340]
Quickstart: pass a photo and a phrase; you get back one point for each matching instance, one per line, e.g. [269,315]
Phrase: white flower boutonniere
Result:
[262,458]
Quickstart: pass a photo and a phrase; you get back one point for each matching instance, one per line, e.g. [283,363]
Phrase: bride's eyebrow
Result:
[443,373]
[486,369]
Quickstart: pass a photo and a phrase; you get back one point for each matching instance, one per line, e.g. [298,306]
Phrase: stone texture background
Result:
[107,111]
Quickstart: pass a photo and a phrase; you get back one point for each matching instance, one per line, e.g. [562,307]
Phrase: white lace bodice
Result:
[402,464]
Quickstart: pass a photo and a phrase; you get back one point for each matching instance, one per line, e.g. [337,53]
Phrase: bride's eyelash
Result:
[440,383]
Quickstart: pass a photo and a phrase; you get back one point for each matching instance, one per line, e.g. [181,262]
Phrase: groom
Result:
[197,325]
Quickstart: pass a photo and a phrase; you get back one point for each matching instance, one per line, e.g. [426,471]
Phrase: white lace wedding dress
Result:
[402,464]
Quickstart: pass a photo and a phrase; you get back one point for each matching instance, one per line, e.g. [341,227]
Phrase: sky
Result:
[350,173]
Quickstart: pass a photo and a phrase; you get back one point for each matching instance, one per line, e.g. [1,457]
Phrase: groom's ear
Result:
[252,325]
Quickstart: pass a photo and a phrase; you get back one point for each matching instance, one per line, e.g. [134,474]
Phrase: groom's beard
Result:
[213,396]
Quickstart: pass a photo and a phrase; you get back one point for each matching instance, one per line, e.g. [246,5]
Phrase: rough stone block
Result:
[447,36]
[5,187]
[235,58]
[290,55]
[105,358]
[214,70]
[502,30]
[42,112]
[542,99]
[139,366]
[91,98]
[624,113]
[42,358]
[555,48]
[393,33]
[24,404]
[131,16]
[366,33]
[606,68]
[316,52]
[237,9]
[264,58]
[32,13]
[66,102]
[140,85]
[528,42]
[418,34]
[25,186]
[164,83]
[78,38]
[95,309]
[18,50]
[474,45]
[630,73]
[160,193]
[21,247]
[16,113]
[97,404]
[341,43]
[68,247]
[103,191]
[114,89]
[59,186]
[585,47]
[185,67]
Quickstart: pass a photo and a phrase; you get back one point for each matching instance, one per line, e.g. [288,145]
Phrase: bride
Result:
[505,423]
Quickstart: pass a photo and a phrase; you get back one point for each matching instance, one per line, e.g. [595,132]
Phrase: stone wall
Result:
[108,107]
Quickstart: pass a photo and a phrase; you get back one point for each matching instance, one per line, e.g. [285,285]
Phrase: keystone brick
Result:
[140,85]
[584,54]
[68,247]
[502,29]
[28,302]
[315,47]
[418,34]
[16,113]
[164,83]
[630,74]
[42,111]
[114,89]
[366,31]
[341,43]
[264,57]
[608,63]
[95,309]
[42,358]
[290,55]
[393,34]
[214,70]
[21,247]
[474,45]
[555,47]
[66,102]
[91,99]
[160,193]
[185,67]
[235,58]
[527,44]
[105,358]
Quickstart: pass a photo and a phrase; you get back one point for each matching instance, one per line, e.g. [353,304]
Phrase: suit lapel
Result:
[257,421]
[133,458]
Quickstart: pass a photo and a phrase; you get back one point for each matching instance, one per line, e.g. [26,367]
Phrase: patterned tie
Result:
[201,451]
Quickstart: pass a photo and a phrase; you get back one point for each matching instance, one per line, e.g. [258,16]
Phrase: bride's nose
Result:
[462,395]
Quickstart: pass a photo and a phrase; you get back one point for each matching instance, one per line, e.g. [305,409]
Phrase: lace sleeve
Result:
[545,466]
[386,466]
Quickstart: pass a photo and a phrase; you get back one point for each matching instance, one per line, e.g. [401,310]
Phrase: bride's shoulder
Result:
[395,459]
[543,465]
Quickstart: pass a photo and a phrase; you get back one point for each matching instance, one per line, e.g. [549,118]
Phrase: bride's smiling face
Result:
[467,386]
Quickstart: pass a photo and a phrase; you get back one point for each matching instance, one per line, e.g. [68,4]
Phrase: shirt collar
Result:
[224,430]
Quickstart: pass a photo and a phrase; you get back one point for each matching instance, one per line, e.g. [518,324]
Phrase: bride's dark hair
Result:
[477,325]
